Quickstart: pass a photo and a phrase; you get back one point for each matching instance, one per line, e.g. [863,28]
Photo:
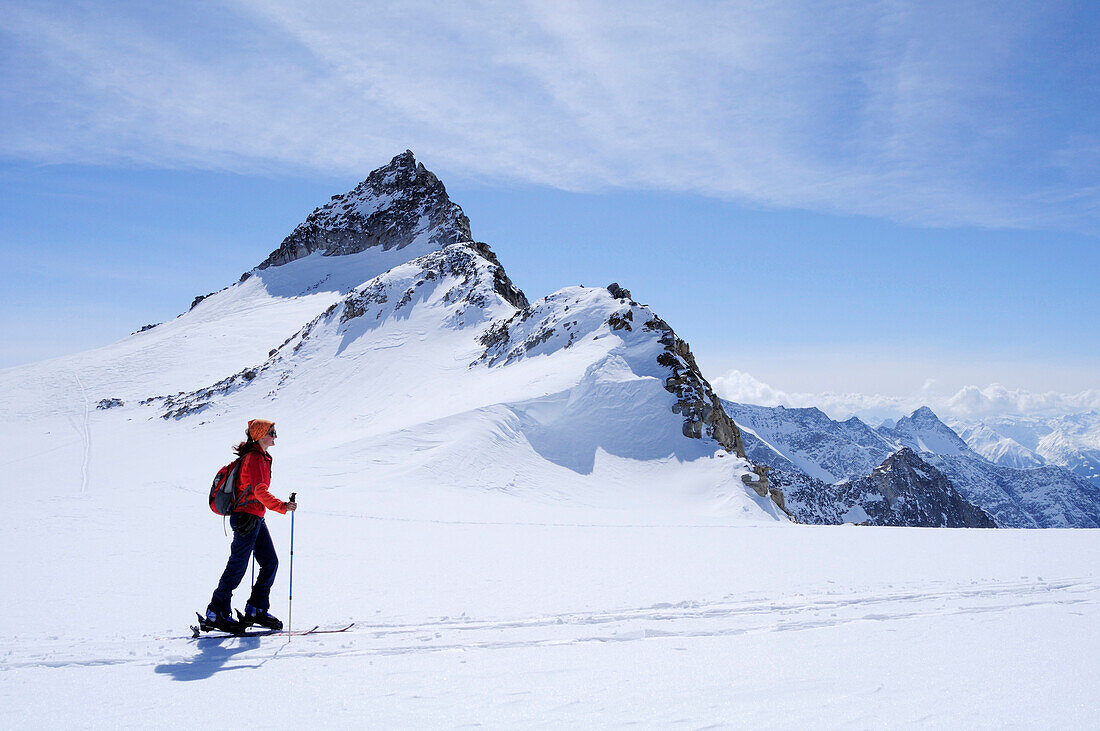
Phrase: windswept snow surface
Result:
[487,617]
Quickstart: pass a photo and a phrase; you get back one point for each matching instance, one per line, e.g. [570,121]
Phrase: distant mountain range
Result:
[833,471]
[1071,441]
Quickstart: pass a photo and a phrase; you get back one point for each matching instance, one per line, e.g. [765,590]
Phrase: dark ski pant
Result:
[249,536]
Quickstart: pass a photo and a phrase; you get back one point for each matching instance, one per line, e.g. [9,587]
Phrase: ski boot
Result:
[213,621]
[262,617]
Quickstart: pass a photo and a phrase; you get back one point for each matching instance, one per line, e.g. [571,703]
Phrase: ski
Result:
[218,635]
[197,633]
[329,631]
[316,630]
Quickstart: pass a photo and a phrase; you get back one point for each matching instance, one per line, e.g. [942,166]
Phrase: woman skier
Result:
[250,536]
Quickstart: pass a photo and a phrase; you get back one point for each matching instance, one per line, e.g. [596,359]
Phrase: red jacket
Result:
[254,479]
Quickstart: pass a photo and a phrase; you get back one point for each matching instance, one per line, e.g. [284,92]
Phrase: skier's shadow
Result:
[212,658]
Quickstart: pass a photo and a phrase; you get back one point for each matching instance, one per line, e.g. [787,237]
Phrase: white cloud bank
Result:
[915,111]
[996,400]
[970,402]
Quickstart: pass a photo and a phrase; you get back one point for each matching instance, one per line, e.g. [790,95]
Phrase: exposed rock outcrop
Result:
[501,283]
[759,482]
[696,401]
[618,292]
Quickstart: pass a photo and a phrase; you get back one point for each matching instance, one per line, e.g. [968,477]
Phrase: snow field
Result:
[507,624]
[632,594]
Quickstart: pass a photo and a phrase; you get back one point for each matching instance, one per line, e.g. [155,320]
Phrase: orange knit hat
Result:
[258,428]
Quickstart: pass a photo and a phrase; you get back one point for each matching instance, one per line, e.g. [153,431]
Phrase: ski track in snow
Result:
[42,453]
[523,524]
[85,436]
[680,620]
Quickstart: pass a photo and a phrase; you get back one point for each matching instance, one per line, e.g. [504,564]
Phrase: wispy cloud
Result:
[902,110]
[968,402]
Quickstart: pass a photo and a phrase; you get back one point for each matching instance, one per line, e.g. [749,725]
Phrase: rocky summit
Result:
[398,205]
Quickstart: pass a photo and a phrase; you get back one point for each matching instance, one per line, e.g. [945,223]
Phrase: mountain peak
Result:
[923,431]
[399,204]
[924,413]
[916,493]
[406,159]
[904,456]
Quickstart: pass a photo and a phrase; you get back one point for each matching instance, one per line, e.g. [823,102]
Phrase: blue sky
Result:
[872,200]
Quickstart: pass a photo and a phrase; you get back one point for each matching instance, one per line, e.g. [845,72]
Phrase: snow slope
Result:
[506,623]
[815,444]
[226,331]
[999,449]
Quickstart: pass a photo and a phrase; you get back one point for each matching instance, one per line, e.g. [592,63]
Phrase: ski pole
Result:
[290,598]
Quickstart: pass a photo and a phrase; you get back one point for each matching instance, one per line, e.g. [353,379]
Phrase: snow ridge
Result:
[460,279]
[998,448]
[572,392]
[575,314]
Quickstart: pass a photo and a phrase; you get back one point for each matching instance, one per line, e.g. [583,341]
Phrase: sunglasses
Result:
[271,432]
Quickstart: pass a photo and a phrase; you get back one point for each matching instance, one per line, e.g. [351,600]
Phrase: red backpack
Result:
[223,493]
